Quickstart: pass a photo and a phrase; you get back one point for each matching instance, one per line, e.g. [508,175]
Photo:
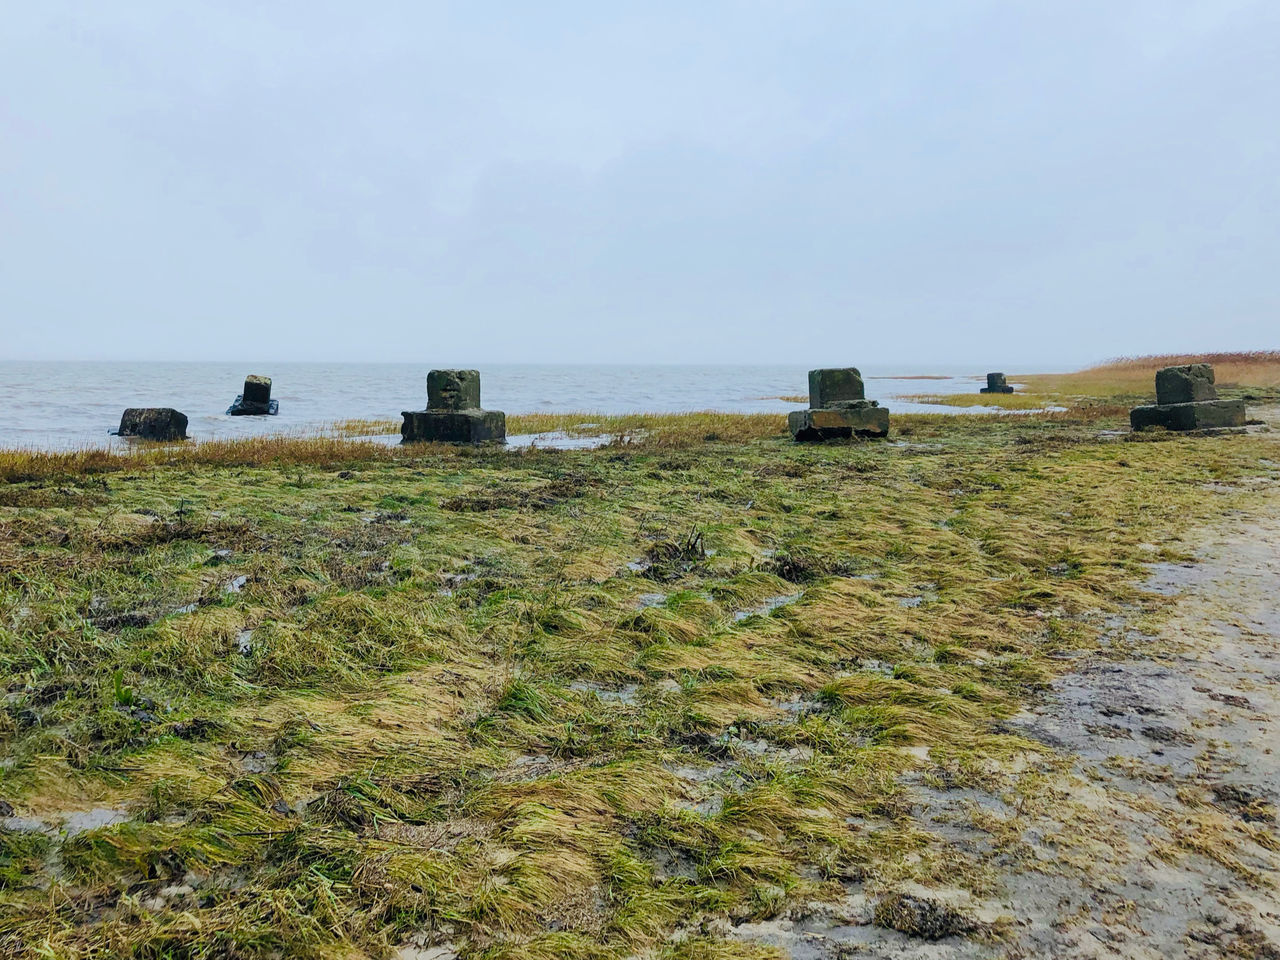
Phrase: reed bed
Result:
[1256,371]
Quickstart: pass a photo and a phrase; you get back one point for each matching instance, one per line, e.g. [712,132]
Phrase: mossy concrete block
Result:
[453,426]
[153,423]
[453,390]
[256,400]
[1188,383]
[1206,415]
[996,384]
[835,423]
[256,389]
[834,386]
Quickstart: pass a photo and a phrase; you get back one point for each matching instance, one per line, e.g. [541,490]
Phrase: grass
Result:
[1256,373]
[506,700]
[338,448]
[1002,401]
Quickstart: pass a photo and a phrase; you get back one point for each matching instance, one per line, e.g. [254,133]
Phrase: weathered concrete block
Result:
[996,384]
[1204,415]
[835,386]
[1188,383]
[453,390]
[256,400]
[153,423]
[453,426]
[243,408]
[834,423]
[256,389]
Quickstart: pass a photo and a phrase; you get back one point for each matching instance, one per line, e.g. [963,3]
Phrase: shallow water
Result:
[66,405]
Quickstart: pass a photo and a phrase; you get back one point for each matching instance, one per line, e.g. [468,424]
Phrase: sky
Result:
[762,181]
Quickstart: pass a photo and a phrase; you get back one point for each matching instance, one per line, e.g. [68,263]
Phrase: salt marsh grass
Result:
[509,701]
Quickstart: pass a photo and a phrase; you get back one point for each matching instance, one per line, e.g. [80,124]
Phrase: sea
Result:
[71,405]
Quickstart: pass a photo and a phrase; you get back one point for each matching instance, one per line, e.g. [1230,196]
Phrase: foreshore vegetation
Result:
[316,697]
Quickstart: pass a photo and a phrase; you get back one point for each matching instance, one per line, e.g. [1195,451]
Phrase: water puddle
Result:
[769,605]
[416,949]
[928,593]
[870,665]
[92,820]
[708,787]
[70,824]
[555,440]
[625,695]
[799,706]
[256,761]
[452,581]
[1169,579]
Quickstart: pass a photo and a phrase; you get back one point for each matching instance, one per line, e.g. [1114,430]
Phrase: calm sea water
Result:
[67,405]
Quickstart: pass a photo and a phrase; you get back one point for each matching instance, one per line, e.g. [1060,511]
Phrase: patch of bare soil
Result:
[1175,777]
[1161,766]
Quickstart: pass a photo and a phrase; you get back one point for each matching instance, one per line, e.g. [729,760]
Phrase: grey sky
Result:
[941,182]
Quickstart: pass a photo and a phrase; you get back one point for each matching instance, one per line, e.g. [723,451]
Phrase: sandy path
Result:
[1159,837]
[1176,771]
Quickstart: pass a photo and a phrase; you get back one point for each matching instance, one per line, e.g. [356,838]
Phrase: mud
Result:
[627,695]
[768,606]
[1171,747]
[556,440]
[1160,754]
[69,823]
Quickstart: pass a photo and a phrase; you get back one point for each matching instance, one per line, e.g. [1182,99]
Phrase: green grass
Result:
[437,705]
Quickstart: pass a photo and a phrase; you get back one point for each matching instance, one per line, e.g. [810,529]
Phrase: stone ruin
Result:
[1187,399]
[996,384]
[838,408]
[153,423]
[256,400]
[453,413]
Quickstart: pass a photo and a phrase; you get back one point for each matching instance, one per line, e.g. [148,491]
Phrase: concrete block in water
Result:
[835,423]
[453,390]
[257,389]
[834,386]
[1204,415]
[453,426]
[1188,383]
[256,400]
[153,423]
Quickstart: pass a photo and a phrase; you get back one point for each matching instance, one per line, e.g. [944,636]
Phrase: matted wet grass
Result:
[332,697]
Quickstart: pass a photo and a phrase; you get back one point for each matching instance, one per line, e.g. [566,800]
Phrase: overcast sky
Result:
[757,181]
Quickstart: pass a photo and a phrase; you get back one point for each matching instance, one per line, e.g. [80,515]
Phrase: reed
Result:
[1256,371]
